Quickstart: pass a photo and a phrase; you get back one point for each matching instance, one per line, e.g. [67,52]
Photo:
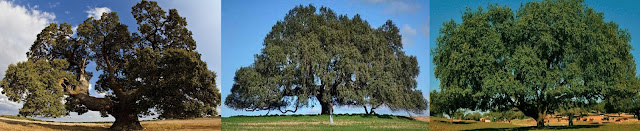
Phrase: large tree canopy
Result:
[333,59]
[155,70]
[546,54]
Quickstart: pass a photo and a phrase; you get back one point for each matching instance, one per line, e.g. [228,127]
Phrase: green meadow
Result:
[321,122]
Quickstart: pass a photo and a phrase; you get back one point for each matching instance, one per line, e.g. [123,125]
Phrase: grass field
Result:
[19,117]
[441,124]
[321,122]
[14,123]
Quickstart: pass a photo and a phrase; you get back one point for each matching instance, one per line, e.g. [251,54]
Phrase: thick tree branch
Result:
[80,92]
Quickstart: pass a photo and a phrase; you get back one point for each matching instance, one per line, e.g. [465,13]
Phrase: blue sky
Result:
[622,12]
[29,17]
[245,24]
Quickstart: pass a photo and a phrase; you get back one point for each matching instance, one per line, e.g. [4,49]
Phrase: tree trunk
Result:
[571,120]
[326,107]
[371,111]
[126,123]
[540,120]
[126,118]
[365,110]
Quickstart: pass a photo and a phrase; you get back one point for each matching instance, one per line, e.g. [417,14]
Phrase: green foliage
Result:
[459,114]
[38,79]
[330,58]
[505,115]
[634,106]
[447,102]
[544,55]
[473,116]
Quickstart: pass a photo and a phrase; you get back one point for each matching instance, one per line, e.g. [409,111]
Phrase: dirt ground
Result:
[7,124]
[421,118]
[591,119]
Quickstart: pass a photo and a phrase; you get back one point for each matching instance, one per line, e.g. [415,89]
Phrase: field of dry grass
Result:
[8,124]
[421,118]
[529,124]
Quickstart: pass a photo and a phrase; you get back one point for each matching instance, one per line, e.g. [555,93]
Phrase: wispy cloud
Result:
[96,13]
[425,27]
[406,29]
[54,5]
[396,6]
[408,34]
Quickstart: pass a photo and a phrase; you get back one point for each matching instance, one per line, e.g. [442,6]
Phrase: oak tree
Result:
[154,70]
[535,59]
[317,55]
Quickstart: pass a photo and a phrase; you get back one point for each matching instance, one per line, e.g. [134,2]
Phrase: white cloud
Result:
[396,6]
[74,29]
[407,30]
[95,93]
[425,28]
[54,5]
[408,34]
[96,13]
[91,116]
[19,28]
[401,7]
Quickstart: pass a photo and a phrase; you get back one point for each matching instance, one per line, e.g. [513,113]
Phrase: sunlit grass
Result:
[321,122]
[444,124]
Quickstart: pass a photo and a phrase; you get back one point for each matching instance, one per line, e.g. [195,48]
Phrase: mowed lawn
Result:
[321,122]
[23,124]
[441,124]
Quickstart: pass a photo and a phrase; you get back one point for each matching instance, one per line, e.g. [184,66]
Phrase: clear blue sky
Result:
[203,18]
[623,12]
[245,24]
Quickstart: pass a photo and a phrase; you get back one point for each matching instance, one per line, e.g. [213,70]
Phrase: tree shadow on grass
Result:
[455,122]
[534,128]
[384,116]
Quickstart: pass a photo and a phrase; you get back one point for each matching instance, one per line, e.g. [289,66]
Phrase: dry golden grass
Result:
[7,124]
[421,118]
[208,124]
[529,124]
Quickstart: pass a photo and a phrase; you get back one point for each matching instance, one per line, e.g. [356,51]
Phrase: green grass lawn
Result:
[321,122]
[443,124]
